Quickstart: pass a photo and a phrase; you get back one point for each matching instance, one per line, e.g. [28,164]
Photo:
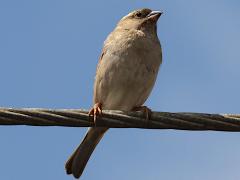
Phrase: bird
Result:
[126,73]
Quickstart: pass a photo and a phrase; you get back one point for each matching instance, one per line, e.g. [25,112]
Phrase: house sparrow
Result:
[125,76]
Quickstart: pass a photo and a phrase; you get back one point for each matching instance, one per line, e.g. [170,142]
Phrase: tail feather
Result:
[78,160]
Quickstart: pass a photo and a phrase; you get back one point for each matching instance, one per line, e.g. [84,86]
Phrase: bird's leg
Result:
[147,112]
[95,111]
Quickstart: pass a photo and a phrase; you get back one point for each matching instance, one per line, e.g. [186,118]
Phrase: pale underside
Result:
[127,70]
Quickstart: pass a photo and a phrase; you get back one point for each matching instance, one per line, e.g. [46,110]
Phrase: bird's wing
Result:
[95,99]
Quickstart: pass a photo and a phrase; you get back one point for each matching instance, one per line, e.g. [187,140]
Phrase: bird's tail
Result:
[78,160]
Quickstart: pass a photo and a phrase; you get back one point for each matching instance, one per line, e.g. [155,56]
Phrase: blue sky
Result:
[48,55]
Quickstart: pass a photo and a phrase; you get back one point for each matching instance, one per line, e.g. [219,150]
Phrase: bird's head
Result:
[140,19]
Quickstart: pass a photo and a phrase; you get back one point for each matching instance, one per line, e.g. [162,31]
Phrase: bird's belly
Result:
[126,85]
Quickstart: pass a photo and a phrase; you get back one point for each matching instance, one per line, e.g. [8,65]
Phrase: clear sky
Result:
[48,55]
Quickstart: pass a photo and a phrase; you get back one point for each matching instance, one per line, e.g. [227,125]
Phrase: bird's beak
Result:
[154,15]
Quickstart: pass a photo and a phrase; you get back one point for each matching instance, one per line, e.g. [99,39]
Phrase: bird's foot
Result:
[147,112]
[95,111]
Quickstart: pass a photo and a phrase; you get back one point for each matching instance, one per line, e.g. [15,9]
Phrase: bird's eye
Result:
[139,14]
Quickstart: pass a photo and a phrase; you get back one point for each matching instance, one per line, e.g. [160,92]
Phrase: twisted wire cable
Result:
[119,119]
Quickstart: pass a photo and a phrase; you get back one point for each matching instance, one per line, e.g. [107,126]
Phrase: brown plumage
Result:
[125,75]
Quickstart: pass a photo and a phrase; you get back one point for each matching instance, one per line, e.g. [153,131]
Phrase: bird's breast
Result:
[127,72]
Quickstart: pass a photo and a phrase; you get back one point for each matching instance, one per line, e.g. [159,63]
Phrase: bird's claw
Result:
[96,111]
[147,111]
